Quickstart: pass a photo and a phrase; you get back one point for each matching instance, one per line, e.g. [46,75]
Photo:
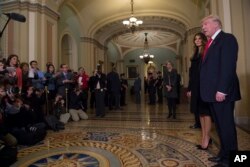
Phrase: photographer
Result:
[19,120]
[34,100]
[8,149]
[76,108]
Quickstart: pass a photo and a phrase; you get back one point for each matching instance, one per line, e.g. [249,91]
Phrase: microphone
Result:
[16,16]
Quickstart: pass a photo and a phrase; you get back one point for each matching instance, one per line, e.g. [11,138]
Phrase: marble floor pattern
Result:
[137,136]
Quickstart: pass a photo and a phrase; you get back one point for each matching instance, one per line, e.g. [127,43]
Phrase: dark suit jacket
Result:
[218,69]
[137,84]
[61,86]
[102,79]
[170,78]
[113,82]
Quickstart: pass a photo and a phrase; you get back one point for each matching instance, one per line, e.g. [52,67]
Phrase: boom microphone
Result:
[16,16]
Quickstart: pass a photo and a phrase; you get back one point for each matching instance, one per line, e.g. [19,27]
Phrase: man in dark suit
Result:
[114,88]
[137,89]
[92,89]
[100,85]
[219,84]
[64,80]
[124,87]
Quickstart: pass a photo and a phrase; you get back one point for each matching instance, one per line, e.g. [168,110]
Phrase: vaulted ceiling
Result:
[165,21]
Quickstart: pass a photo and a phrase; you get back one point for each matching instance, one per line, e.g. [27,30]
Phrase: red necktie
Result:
[206,48]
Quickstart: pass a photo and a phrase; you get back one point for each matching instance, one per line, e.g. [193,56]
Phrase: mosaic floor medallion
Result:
[72,156]
[111,147]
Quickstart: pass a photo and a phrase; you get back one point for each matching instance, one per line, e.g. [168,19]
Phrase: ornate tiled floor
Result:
[139,135]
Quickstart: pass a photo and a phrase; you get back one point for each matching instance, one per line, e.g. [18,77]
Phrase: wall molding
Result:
[34,7]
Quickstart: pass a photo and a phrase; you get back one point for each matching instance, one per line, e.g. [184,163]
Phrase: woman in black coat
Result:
[170,85]
[198,107]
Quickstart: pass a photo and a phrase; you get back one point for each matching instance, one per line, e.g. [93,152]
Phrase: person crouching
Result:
[76,109]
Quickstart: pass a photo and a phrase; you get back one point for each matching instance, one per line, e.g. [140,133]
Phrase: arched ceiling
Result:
[155,38]
[166,21]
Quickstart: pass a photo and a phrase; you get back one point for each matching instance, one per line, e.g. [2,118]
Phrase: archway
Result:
[69,52]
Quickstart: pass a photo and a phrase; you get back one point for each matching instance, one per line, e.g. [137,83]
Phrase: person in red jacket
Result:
[82,81]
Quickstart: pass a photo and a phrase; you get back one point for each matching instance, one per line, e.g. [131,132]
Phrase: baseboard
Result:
[243,123]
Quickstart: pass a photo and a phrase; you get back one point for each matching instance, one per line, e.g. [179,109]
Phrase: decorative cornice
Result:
[191,32]
[35,7]
[93,41]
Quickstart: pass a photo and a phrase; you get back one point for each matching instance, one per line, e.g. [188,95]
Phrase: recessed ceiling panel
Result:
[155,38]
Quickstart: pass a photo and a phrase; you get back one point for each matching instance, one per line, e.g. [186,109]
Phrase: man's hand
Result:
[169,88]
[220,96]
[189,94]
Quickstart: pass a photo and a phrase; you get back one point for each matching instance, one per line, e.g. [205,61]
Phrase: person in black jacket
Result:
[159,87]
[151,89]
[137,89]
[219,84]
[198,106]
[114,88]
[170,85]
[124,87]
[92,89]
[76,107]
[100,85]
[194,77]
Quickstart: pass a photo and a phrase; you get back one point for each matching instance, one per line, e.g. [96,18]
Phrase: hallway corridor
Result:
[138,135]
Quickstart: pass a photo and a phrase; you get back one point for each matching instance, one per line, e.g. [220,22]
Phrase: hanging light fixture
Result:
[146,56]
[132,22]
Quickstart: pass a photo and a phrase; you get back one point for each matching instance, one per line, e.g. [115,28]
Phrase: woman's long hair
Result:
[9,59]
[196,48]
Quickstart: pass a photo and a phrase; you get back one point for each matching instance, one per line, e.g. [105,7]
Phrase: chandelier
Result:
[132,22]
[146,56]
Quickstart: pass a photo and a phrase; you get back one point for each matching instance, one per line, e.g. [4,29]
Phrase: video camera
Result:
[12,90]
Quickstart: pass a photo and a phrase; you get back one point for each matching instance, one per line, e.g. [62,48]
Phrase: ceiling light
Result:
[132,22]
[146,56]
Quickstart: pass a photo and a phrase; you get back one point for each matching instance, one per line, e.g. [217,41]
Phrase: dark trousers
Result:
[223,115]
[160,95]
[114,99]
[85,97]
[171,106]
[152,97]
[92,99]
[8,155]
[137,97]
[100,104]
[123,98]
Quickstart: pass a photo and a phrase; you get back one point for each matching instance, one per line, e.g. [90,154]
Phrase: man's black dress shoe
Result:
[221,164]
[215,159]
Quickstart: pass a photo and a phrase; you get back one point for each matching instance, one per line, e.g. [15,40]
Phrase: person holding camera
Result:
[5,136]
[76,108]
[20,120]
